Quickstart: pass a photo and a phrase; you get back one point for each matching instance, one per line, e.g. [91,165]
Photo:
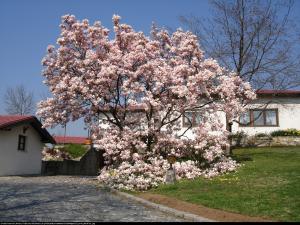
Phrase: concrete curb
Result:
[175,212]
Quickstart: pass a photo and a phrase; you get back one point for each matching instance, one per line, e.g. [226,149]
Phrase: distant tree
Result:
[19,101]
[254,38]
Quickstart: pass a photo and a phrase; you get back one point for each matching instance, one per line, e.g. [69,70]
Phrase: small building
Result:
[71,140]
[22,139]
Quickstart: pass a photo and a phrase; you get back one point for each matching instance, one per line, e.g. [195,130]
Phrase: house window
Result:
[259,118]
[21,143]
[191,118]
[245,118]
[271,118]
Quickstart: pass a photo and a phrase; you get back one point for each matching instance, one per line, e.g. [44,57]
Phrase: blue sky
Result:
[28,27]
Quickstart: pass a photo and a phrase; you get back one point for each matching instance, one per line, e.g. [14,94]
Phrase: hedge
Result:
[288,132]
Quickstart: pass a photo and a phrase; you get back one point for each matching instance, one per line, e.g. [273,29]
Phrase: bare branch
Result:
[255,38]
[19,101]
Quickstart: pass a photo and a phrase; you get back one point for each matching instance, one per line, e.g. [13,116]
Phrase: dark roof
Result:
[7,121]
[70,140]
[281,93]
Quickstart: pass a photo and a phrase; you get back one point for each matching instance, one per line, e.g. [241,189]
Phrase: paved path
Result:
[66,199]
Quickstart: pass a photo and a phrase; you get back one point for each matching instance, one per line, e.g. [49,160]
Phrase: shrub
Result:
[238,135]
[287,132]
[262,135]
[54,154]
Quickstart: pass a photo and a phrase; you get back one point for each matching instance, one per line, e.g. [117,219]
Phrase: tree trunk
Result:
[228,150]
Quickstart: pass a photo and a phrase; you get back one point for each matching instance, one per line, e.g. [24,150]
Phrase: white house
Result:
[21,143]
[272,110]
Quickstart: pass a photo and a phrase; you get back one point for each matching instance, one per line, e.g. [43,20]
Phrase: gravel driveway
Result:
[66,199]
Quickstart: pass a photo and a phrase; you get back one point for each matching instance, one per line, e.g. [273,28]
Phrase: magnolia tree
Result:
[133,91]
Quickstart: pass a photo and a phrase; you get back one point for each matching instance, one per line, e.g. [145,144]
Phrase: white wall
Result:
[288,115]
[15,162]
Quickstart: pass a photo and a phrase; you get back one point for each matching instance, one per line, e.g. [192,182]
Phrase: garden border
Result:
[165,209]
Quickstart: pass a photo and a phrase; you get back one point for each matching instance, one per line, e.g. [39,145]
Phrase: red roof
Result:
[265,91]
[70,139]
[294,93]
[8,121]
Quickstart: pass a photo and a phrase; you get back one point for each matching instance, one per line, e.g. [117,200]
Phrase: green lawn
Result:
[267,185]
[75,150]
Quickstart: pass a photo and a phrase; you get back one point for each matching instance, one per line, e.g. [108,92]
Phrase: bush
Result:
[262,135]
[288,132]
[54,154]
[238,135]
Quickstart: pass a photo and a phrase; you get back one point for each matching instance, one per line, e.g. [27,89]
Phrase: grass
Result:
[267,185]
[75,150]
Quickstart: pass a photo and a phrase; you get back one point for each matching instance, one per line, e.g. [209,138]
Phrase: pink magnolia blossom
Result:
[54,154]
[133,91]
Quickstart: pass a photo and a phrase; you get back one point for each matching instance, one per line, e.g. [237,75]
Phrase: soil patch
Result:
[200,210]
